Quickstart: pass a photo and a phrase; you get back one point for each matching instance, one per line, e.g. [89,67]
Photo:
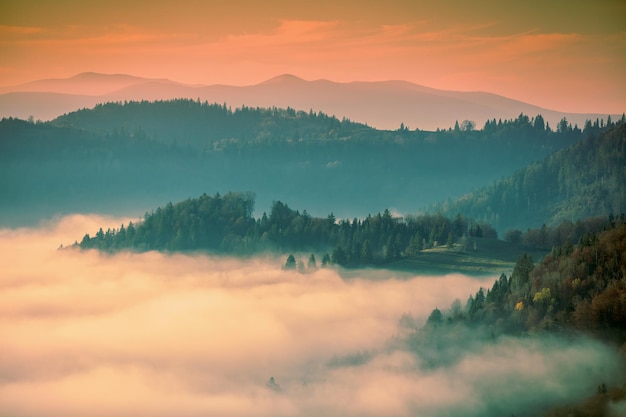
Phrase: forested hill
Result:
[576,291]
[586,179]
[574,288]
[207,126]
[224,224]
[123,159]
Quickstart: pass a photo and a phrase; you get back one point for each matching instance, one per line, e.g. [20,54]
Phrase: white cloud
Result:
[88,334]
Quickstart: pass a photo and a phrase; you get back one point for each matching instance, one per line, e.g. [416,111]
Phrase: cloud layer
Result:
[87,334]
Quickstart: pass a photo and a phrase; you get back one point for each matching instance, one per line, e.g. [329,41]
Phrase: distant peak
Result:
[283,79]
[88,75]
[98,75]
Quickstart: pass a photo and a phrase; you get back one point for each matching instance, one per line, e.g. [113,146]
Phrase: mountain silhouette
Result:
[381,104]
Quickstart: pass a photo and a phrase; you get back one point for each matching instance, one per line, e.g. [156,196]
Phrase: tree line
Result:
[225,224]
[574,288]
[583,180]
[140,154]
[566,233]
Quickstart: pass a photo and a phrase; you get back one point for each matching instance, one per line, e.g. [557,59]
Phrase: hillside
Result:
[575,288]
[205,126]
[126,158]
[577,293]
[225,224]
[428,243]
[584,180]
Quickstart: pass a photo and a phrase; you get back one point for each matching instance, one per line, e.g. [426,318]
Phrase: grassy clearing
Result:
[491,256]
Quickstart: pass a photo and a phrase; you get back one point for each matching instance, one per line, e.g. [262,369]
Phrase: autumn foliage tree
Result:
[574,288]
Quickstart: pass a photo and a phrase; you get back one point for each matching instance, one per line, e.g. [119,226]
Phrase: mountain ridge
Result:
[382,104]
[143,153]
[582,180]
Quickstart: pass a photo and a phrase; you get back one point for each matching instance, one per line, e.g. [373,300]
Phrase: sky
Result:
[565,55]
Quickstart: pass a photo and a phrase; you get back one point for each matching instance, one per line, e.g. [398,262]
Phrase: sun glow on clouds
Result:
[96,334]
[89,334]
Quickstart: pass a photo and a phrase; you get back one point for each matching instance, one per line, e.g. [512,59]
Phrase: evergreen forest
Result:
[124,158]
[576,287]
[583,180]
[552,195]
[225,224]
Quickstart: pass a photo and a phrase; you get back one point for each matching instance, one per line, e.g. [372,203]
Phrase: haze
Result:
[567,56]
[89,334]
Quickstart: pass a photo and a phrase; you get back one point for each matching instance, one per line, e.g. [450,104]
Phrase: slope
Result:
[584,180]
[127,158]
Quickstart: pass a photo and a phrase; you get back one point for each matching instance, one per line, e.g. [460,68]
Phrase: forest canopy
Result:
[122,158]
[225,224]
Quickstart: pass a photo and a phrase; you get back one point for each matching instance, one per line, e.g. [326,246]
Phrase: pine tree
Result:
[291,262]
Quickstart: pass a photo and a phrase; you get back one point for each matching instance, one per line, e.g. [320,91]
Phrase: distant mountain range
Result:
[383,104]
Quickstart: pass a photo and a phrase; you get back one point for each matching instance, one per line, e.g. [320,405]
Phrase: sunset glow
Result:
[332,208]
[569,56]
[159,335]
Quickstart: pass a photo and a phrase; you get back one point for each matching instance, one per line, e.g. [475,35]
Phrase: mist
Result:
[89,334]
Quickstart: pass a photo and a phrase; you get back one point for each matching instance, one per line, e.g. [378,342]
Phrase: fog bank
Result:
[90,334]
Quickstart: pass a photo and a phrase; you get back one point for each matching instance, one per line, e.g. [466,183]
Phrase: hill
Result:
[383,104]
[586,179]
[577,293]
[87,83]
[126,158]
[427,243]
[575,288]
[206,127]
[225,224]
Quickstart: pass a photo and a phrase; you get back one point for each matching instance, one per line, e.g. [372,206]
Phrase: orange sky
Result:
[565,55]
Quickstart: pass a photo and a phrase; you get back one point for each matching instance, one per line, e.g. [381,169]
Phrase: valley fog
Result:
[89,334]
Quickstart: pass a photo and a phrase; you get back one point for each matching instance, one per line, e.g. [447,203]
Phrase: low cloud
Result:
[90,334]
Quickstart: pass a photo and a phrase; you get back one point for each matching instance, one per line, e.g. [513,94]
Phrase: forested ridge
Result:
[580,287]
[125,157]
[205,126]
[224,224]
[576,291]
[586,179]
